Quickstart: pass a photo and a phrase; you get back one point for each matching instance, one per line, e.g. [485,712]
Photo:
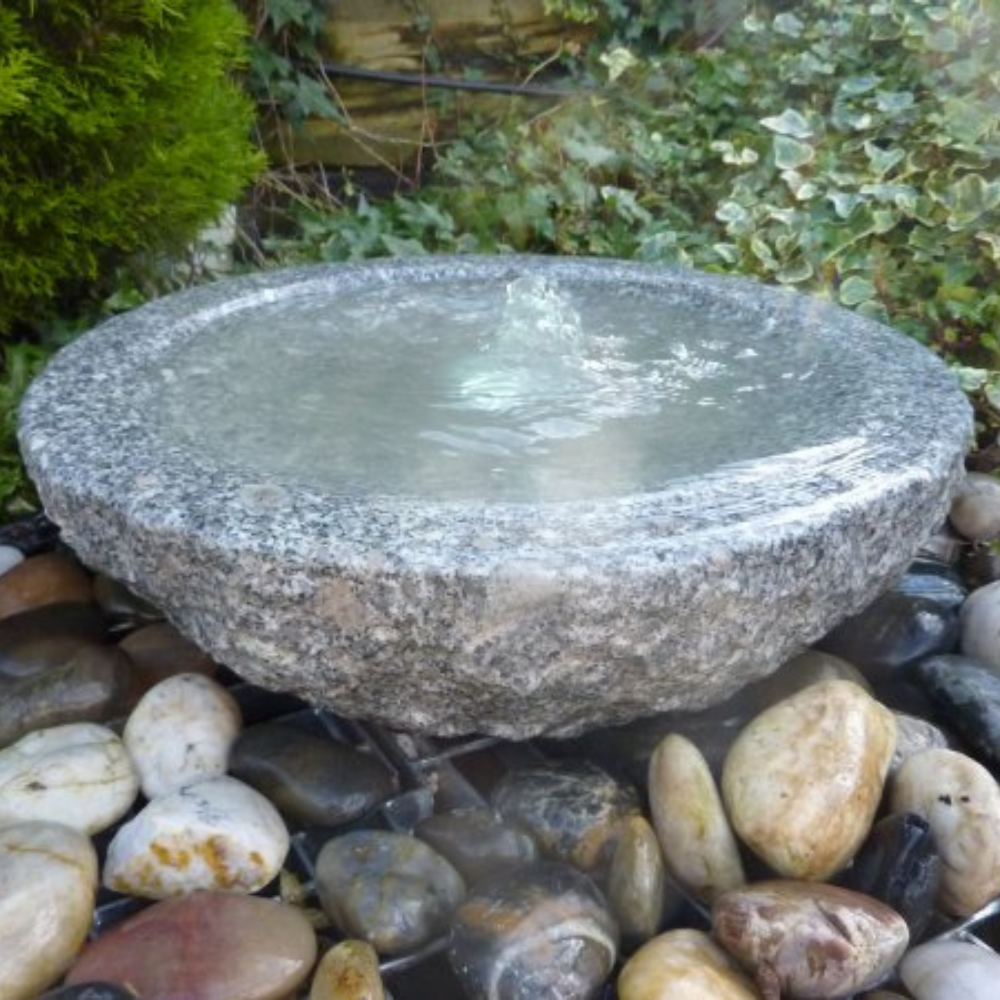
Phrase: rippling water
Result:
[517,392]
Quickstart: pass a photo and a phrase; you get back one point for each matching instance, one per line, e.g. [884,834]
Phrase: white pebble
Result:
[79,775]
[980,624]
[975,510]
[960,800]
[947,970]
[218,834]
[9,558]
[48,875]
[181,733]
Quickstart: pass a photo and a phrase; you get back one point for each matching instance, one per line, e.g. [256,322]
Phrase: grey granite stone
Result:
[501,617]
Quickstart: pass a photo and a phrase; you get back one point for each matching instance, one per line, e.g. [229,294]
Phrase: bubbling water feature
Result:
[504,495]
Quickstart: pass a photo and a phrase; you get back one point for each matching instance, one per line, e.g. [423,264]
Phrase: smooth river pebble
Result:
[93,686]
[809,940]
[975,508]
[51,578]
[572,809]
[637,882]
[960,800]
[205,946]
[967,695]
[683,965]
[48,880]
[181,732]
[36,641]
[542,932]
[980,624]
[348,971]
[697,840]
[390,889]
[78,774]
[218,834]
[803,780]
[899,865]
[310,778]
[477,842]
[159,651]
[951,970]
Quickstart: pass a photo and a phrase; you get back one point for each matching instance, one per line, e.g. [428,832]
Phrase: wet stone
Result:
[975,509]
[31,535]
[180,733]
[804,779]
[205,946]
[980,621]
[891,634]
[218,834]
[913,735]
[389,889]
[637,883]
[935,580]
[78,774]
[51,578]
[41,863]
[312,779]
[540,933]
[477,842]
[899,865]
[698,843]
[94,686]
[35,641]
[159,651]
[804,939]
[120,606]
[947,970]
[348,971]
[960,800]
[683,965]
[571,808]
[967,695]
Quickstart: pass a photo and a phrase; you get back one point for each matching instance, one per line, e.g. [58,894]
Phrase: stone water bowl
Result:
[507,495]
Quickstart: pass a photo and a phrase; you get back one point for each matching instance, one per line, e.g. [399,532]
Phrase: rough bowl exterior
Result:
[506,618]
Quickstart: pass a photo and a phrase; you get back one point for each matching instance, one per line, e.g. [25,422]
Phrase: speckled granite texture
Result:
[514,619]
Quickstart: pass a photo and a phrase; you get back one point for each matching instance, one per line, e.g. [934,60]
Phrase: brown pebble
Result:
[35,641]
[52,578]
[159,651]
[205,946]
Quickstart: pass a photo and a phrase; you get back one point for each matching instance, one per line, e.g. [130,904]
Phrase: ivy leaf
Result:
[790,154]
[788,24]
[792,274]
[969,198]
[967,119]
[587,151]
[883,160]
[856,290]
[893,101]
[789,122]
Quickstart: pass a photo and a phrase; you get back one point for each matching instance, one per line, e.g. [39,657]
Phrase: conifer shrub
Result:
[122,130]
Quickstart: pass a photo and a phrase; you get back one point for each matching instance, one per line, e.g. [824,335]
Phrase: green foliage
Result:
[283,55]
[21,362]
[850,148]
[120,131]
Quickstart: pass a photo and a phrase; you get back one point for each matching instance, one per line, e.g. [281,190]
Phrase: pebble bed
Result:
[167,830]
